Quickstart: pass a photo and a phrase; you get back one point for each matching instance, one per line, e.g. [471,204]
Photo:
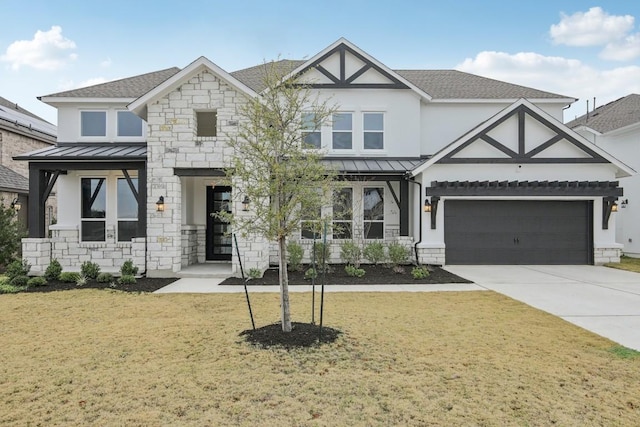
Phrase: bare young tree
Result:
[277,163]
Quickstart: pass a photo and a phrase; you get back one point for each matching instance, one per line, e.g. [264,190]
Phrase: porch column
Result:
[37,184]
[404,207]
[142,201]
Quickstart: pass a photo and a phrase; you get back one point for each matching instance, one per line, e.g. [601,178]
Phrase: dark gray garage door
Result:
[518,232]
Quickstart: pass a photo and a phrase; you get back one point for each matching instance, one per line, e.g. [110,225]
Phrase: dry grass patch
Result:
[626,263]
[90,357]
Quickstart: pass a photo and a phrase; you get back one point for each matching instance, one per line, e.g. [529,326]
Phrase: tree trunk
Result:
[284,285]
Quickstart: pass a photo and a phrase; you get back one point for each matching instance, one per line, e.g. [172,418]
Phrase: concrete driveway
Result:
[600,299]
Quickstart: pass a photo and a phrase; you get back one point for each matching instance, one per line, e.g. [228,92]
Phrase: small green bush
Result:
[295,254]
[311,274]
[322,253]
[19,281]
[127,279]
[104,278]
[398,254]
[128,269]
[255,273]
[69,277]
[420,272]
[354,271]
[53,270]
[18,268]
[374,253]
[90,270]
[6,288]
[37,281]
[351,253]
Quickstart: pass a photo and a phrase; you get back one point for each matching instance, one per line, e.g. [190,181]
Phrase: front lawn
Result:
[100,357]
[626,263]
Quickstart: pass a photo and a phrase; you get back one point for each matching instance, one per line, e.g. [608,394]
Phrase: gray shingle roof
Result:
[131,87]
[18,120]
[254,76]
[11,180]
[88,152]
[15,107]
[614,115]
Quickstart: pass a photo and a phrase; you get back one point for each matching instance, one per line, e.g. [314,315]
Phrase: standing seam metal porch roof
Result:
[88,152]
[368,166]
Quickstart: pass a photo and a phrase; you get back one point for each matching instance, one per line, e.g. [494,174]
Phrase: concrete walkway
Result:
[600,299]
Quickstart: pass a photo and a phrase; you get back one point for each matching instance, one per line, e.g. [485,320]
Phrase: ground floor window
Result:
[373,213]
[343,213]
[93,209]
[310,225]
[127,210]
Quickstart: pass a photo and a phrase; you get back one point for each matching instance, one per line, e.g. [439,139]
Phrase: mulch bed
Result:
[301,335]
[142,284]
[374,275]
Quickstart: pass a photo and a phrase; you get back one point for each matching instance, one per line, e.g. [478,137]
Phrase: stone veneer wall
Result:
[193,244]
[64,246]
[604,255]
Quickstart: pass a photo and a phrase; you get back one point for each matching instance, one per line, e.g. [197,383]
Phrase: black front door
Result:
[218,237]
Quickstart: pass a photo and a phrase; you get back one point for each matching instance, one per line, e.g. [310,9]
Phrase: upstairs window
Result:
[373,128]
[94,209]
[129,124]
[127,210]
[93,123]
[342,131]
[311,131]
[206,123]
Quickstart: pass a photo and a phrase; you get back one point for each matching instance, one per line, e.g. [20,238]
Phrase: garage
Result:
[518,232]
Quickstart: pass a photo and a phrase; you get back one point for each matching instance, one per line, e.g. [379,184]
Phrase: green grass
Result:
[624,352]
[98,357]
[626,263]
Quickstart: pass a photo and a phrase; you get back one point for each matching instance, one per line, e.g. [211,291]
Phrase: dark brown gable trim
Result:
[524,188]
[522,156]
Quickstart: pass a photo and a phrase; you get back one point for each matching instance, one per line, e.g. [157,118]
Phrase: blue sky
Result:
[569,47]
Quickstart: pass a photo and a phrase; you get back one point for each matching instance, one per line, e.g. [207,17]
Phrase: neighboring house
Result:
[615,127]
[502,179]
[20,131]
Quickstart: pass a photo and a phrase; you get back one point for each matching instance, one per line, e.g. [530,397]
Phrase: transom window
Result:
[342,213]
[93,123]
[129,124]
[127,210]
[342,131]
[206,123]
[311,130]
[373,128]
[93,209]
[373,213]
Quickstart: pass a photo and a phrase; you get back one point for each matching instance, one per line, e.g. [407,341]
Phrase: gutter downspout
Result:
[412,180]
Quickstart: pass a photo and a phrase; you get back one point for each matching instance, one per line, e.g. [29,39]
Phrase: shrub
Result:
[255,273]
[321,253]
[90,270]
[82,280]
[53,270]
[11,231]
[351,253]
[6,288]
[128,269]
[310,274]
[295,252]
[374,252]
[18,268]
[104,278]
[69,277]
[354,271]
[398,269]
[420,272]
[398,254]
[127,279]
[19,281]
[37,281]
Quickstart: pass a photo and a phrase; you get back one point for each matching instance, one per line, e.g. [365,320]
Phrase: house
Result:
[460,168]
[20,131]
[615,127]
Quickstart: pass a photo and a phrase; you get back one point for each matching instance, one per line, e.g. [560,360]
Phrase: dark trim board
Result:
[198,172]
[525,188]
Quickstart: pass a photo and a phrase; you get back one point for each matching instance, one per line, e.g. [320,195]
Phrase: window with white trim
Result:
[373,130]
[342,132]
[127,210]
[93,123]
[93,209]
[343,213]
[311,131]
[129,124]
[310,224]
[373,213]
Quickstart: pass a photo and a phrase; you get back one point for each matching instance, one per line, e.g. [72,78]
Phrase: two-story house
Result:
[615,127]
[21,131]
[463,169]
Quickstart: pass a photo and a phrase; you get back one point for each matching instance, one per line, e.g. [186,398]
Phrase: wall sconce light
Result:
[614,207]
[624,203]
[245,203]
[427,205]
[160,204]
[16,205]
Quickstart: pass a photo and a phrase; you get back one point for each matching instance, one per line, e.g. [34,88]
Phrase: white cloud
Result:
[623,51]
[48,50]
[564,76]
[592,28]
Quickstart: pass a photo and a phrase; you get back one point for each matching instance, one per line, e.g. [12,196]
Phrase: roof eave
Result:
[54,101]
[562,101]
